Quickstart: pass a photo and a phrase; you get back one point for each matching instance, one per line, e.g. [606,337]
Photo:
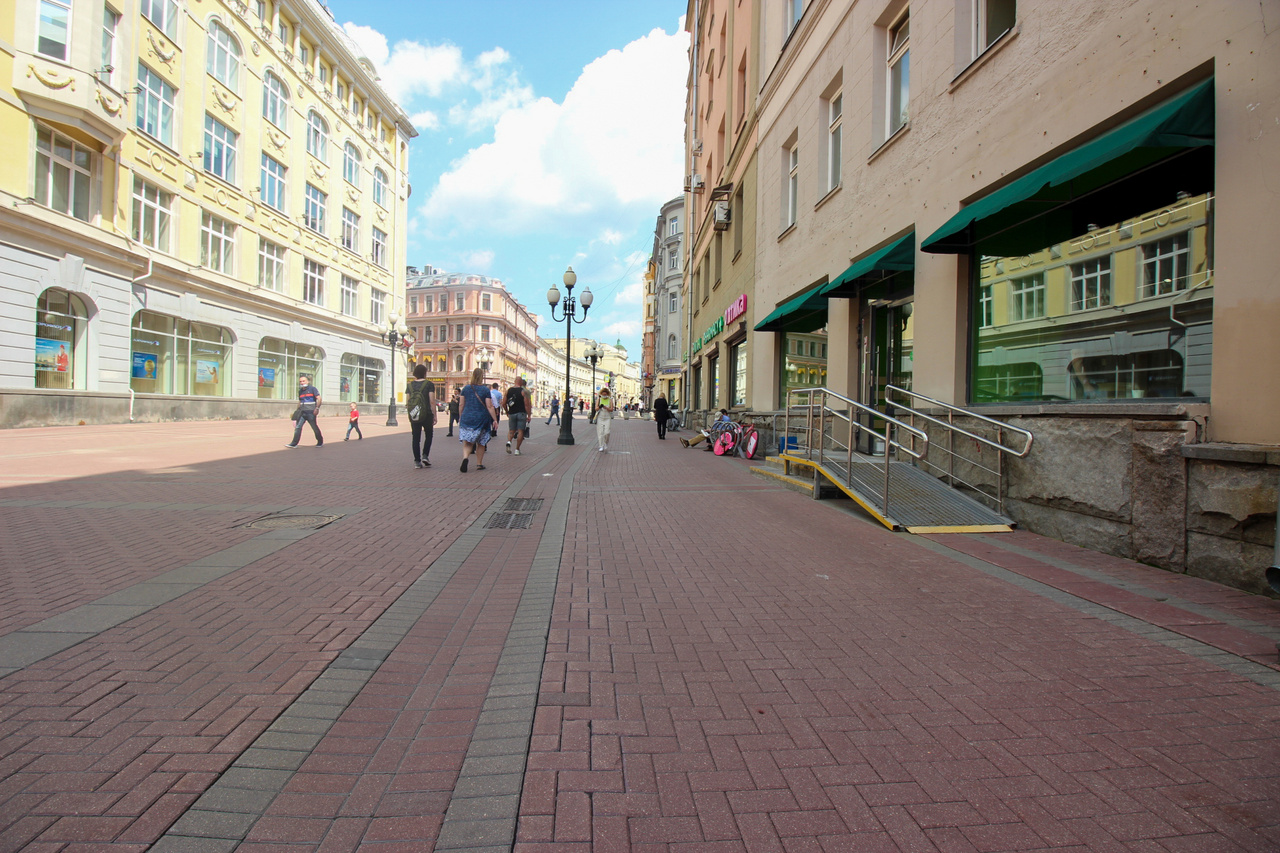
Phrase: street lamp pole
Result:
[568,309]
[395,336]
[592,355]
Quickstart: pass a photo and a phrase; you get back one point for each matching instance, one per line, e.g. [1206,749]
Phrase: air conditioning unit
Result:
[698,183]
[720,216]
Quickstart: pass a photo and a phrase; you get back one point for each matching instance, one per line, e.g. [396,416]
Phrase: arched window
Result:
[317,136]
[351,164]
[671,346]
[223,56]
[275,101]
[380,187]
[61,321]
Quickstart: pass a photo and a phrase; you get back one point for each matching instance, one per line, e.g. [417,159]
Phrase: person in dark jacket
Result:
[308,408]
[423,428]
[661,414]
[453,413]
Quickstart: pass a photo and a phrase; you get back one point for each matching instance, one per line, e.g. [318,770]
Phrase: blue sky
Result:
[550,133]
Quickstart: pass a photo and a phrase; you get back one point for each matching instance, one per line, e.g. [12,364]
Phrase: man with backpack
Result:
[517,406]
[420,404]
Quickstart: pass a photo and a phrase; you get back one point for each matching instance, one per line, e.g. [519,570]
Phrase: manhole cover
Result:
[509,521]
[291,522]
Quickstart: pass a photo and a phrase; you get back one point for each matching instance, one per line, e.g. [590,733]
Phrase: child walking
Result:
[354,424]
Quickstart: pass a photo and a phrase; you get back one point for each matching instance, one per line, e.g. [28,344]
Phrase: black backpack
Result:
[417,402]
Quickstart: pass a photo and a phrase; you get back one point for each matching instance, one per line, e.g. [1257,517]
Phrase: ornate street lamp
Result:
[397,336]
[568,309]
[592,354]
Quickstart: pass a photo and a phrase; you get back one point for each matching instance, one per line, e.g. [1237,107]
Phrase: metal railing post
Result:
[887,428]
[951,449]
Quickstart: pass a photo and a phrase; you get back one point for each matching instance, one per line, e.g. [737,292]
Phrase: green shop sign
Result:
[714,329]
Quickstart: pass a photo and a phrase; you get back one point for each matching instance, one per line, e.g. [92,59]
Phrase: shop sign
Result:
[736,310]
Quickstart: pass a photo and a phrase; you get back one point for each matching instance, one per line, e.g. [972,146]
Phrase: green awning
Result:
[1048,205]
[804,313]
[898,256]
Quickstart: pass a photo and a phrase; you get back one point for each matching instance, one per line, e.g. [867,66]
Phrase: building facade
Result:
[720,202]
[949,202]
[462,321]
[202,204]
[667,303]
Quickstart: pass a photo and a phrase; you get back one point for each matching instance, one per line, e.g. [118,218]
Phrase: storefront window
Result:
[738,367]
[174,356]
[361,380]
[280,363]
[60,331]
[1122,311]
[804,360]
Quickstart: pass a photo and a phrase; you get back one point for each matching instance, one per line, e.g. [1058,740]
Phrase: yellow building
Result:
[201,203]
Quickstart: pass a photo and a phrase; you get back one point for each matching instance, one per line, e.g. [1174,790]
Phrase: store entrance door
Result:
[887,340]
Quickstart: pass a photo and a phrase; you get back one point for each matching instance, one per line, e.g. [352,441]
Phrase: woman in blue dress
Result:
[476,420]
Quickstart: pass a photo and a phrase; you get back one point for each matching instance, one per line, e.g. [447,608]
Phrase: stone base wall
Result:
[69,408]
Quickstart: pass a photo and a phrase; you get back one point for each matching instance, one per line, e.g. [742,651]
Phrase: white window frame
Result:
[223,57]
[350,230]
[794,12]
[162,13]
[378,248]
[217,243]
[351,164]
[350,296]
[273,191]
[313,273]
[152,206]
[1027,297]
[672,348]
[486,302]
[898,76]
[460,301]
[1091,284]
[673,226]
[79,178]
[460,332]
[155,105]
[983,37]
[484,333]
[271,265]
[110,54]
[59,10]
[835,117]
[220,149]
[1171,255]
[377,306]
[380,188]
[275,100]
[986,307]
[313,212]
[792,200]
[317,136]
[673,302]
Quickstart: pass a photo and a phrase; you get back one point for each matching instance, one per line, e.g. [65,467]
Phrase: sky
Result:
[550,135]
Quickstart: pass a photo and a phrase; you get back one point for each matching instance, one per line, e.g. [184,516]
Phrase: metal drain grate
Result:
[522,505]
[291,522]
[509,521]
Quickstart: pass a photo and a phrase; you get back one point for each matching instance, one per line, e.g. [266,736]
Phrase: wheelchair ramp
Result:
[918,502]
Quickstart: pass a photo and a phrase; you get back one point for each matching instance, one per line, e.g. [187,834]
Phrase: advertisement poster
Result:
[144,365]
[52,355]
[206,372]
[266,377]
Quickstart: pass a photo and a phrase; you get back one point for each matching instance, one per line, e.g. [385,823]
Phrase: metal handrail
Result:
[890,442]
[952,430]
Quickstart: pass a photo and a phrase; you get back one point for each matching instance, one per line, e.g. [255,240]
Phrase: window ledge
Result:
[981,59]
[786,231]
[736,255]
[829,194]
[897,134]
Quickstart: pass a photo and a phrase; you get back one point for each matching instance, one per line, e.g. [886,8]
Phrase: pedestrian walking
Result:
[604,418]
[555,410]
[308,408]
[420,403]
[353,423]
[477,420]
[517,405]
[661,413]
[582,405]
[496,394]
[453,413]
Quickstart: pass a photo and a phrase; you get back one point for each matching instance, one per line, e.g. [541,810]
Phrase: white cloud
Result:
[425,120]
[616,141]
[611,237]
[410,68]
[479,261]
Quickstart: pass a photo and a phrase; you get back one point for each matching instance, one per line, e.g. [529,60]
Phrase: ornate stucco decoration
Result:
[353,196]
[277,139]
[109,106]
[158,51]
[225,100]
[51,79]
[319,171]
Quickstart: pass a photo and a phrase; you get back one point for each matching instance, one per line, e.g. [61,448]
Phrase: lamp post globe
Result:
[569,309]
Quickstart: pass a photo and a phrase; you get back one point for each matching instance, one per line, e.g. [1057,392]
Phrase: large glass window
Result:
[361,379]
[220,149]
[110,26]
[350,295]
[1122,311]
[313,282]
[350,230]
[217,243]
[738,368]
[222,58]
[273,187]
[351,164]
[60,334]
[380,187]
[379,253]
[275,101]
[270,265]
[994,18]
[162,13]
[314,208]
[155,105]
[899,77]
[152,215]
[63,173]
[174,356]
[835,110]
[377,306]
[793,185]
[317,136]
[280,363]
[54,31]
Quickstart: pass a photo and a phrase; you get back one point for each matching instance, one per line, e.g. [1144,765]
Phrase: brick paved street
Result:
[656,650]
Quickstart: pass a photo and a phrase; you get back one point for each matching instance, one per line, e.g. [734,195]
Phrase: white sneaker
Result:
[515,452]
[508,447]
[601,448]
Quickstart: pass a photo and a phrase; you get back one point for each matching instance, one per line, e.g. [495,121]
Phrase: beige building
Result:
[462,321]
[201,203]
[951,197]
[720,203]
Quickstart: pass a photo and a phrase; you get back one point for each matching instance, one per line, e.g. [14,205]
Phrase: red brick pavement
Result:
[731,666]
